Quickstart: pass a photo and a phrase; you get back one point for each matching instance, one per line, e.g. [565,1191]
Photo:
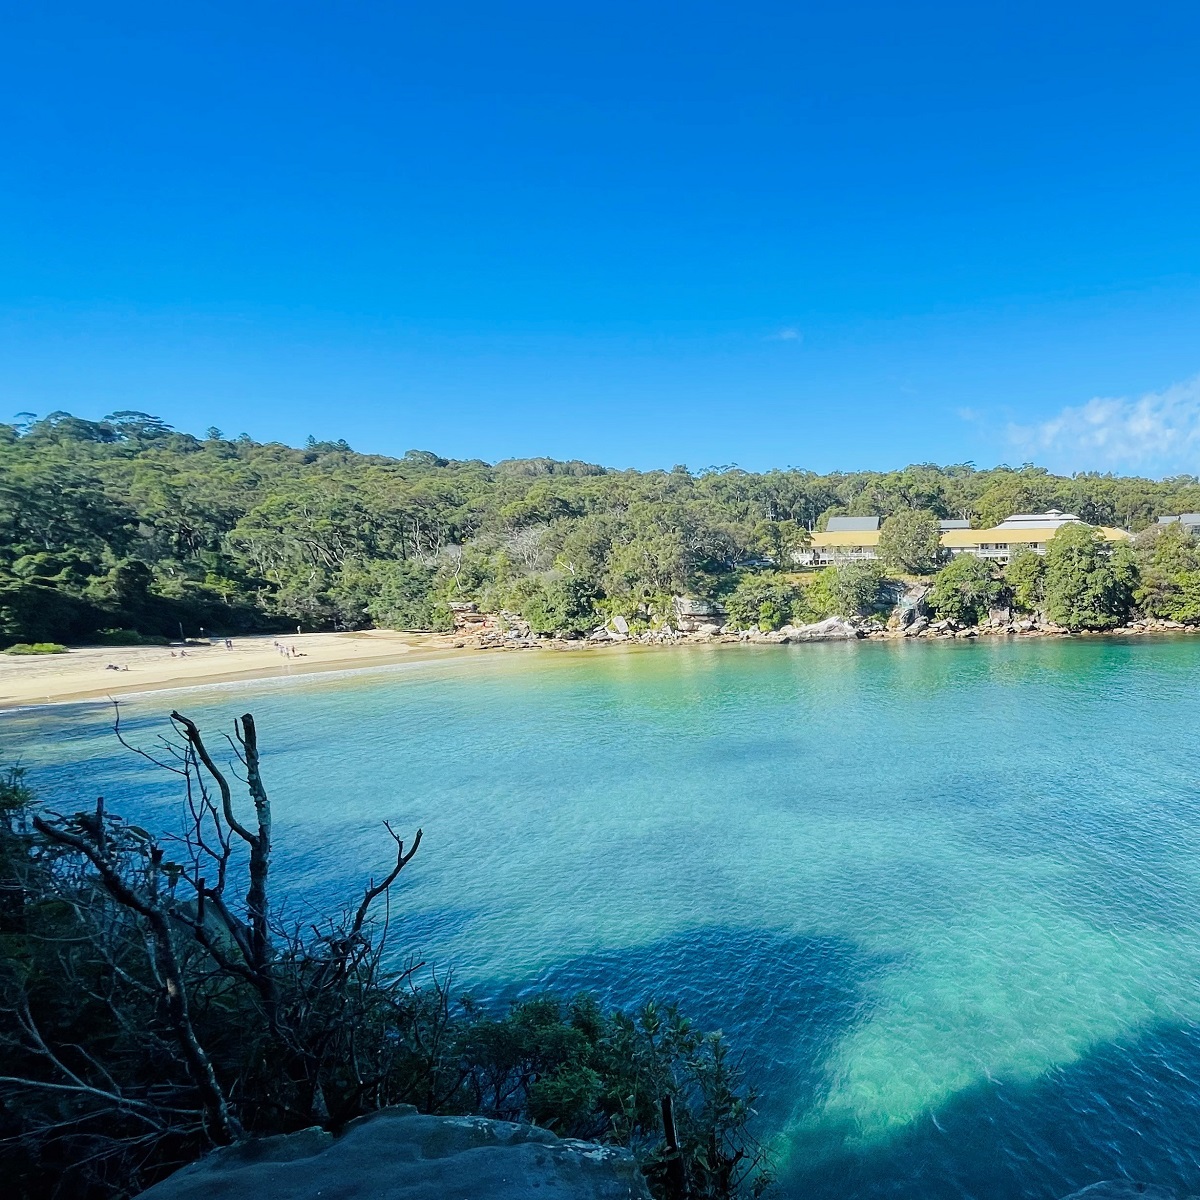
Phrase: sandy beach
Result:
[86,674]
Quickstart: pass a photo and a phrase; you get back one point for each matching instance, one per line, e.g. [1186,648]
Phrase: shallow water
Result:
[945,897]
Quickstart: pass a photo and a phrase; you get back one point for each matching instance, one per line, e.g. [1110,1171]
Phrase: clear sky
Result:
[825,235]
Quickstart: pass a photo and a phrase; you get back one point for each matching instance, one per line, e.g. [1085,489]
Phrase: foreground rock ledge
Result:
[398,1155]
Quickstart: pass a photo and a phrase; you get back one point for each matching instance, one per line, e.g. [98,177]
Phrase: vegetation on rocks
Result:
[964,590]
[1089,582]
[1025,578]
[767,600]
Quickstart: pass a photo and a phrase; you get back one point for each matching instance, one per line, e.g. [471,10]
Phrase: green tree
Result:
[1169,560]
[1025,575]
[401,597]
[765,601]
[964,590]
[780,541]
[242,535]
[556,603]
[1089,582]
[849,590]
[910,541]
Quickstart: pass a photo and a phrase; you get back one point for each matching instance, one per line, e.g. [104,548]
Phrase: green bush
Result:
[853,589]
[36,648]
[1170,574]
[1025,575]
[1089,582]
[128,637]
[766,601]
[964,590]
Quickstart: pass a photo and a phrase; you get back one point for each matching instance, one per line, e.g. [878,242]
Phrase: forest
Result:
[125,529]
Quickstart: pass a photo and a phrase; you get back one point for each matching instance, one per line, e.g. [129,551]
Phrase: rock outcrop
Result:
[832,629]
[398,1155]
[694,615]
[910,604]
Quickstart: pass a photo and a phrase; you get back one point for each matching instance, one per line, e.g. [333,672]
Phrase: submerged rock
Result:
[398,1155]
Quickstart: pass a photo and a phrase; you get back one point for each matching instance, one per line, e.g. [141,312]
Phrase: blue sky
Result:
[833,236]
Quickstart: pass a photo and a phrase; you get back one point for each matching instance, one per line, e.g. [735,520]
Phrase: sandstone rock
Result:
[691,612]
[909,605]
[620,624]
[832,629]
[399,1155]
[917,627]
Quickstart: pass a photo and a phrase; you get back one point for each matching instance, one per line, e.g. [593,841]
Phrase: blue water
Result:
[945,897]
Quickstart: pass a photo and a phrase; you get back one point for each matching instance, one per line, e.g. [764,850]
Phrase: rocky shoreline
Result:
[508,631]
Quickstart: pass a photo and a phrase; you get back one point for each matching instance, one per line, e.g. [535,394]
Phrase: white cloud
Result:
[1158,433]
[788,334]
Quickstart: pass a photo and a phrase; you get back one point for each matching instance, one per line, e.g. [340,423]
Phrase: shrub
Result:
[129,637]
[36,648]
[1025,575]
[766,601]
[555,603]
[964,590]
[850,590]
[1170,574]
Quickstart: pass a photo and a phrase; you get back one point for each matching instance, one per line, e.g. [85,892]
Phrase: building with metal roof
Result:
[1031,531]
[852,524]
[1190,521]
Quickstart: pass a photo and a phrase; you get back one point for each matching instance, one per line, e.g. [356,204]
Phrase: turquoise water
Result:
[945,897]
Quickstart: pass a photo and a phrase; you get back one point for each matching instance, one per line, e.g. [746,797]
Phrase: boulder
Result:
[398,1155]
[832,629]
[909,605]
[691,612]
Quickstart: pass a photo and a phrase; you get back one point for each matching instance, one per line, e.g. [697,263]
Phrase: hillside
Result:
[128,525]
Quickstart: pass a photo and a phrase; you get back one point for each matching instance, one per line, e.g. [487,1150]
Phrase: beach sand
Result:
[84,674]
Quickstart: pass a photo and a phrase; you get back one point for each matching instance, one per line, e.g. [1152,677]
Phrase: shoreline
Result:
[83,674]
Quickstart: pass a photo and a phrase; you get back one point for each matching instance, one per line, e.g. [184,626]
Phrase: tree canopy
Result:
[127,524]
[1089,582]
[910,541]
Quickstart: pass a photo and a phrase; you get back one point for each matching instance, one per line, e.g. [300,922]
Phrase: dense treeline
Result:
[125,525]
